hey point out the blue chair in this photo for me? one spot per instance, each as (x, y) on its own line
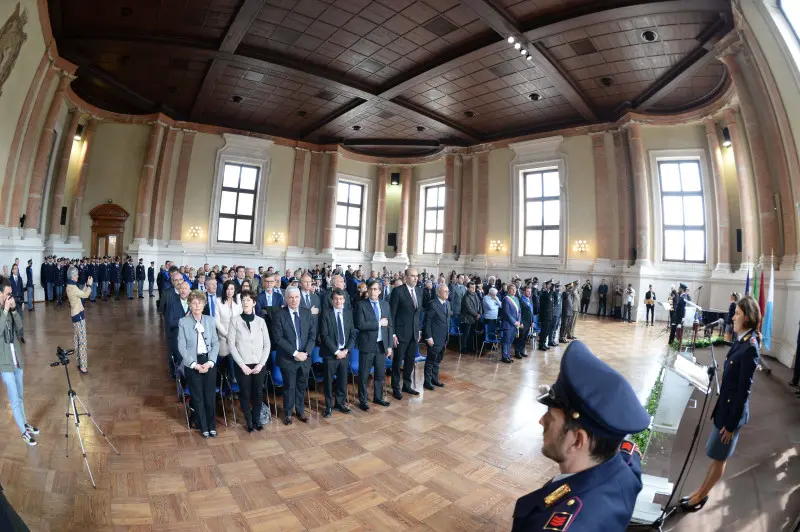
(455, 331)
(354, 369)
(228, 382)
(417, 359)
(490, 337)
(184, 394)
(316, 362)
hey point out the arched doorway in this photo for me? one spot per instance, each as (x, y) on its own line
(108, 228)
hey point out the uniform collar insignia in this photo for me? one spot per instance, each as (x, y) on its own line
(558, 494)
(558, 521)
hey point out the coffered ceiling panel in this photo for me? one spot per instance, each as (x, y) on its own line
(524, 10)
(382, 121)
(698, 87)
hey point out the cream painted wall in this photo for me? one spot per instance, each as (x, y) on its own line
(162, 233)
(581, 194)
(115, 163)
(197, 203)
(19, 81)
(357, 168)
(499, 211)
(613, 207)
(730, 180)
(393, 197)
(279, 190)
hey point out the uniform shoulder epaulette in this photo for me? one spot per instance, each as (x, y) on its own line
(628, 447)
(562, 519)
(557, 494)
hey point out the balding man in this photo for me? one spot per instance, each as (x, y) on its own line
(337, 283)
(406, 305)
(437, 326)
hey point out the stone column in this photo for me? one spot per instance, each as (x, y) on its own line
(467, 214)
(641, 195)
(482, 228)
(61, 178)
(181, 180)
(758, 158)
(602, 197)
(448, 238)
(293, 238)
(380, 213)
(143, 205)
(329, 234)
(312, 200)
(625, 200)
(747, 191)
(161, 184)
(26, 152)
(402, 232)
(80, 183)
(720, 195)
(41, 162)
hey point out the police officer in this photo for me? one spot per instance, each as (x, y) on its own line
(128, 276)
(678, 310)
(151, 277)
(590, 410)
(102, 277)
(115, 277)
(545, 315)
(91, 271)
(556, 321)
(140, 277)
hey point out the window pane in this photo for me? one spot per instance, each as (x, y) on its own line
(690, 177)
(352, 239)
(231, 176)
(550, 243)
(225, 229)
(430, 243)
(227, 204)
(673, 245)
(440, 196)
(431, 196)
(440, 219)
(791, 8)
(355, 194)
(551, 212)
(670, 177)
(342, 191)
(341, 236)
(341, 215)
(439, 240)
(693, 210)
(533, 242)
(696, 245)
(249, 175)
(354, 217)
(673, 210)
(243, 230)
(533, 213)
(533, 185)
(245, 204)
(550, 181)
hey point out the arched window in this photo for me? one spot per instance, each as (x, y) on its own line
(791, 10)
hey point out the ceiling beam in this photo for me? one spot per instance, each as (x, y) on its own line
(686, 68)
(230, 42)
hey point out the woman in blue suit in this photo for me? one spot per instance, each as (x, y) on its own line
(733, 404)
(510, 322)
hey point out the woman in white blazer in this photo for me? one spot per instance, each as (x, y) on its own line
(248, 341)
(199, 347)
(231, 306)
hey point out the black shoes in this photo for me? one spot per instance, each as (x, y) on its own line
(686, 507)
(506, 360)
(259, 426)
(518, 356)
(344, 409)
(287, 420)
(397, 395)
(383, 402)
(428, 386)
(328, 412)
(21, 340)
(249, 426)
(302, 417)
(408, 389)
(438, 383)
(363, 406)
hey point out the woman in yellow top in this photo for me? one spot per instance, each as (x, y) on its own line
(75, 296)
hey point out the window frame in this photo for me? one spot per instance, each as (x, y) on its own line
(236, 217)
(525, 174)
(418, 257)
(361, 229)
(434, 212)
(683, 227)
(794, 26)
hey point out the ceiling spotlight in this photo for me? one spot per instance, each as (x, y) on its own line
(469, 114)
(236, 98)
(517, 45)
(420, 128)
(726, 137)
(356, 128)
(606, 81)
(524, 51)
(535, 96)
(301, 114)
(529, 58)
(511, 40)
(649, 36)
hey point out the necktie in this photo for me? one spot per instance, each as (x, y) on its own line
(297, 328)
(308, 304)
(211, 307)
(340, 328)
(414, 296)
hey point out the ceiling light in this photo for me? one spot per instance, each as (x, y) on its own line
(301, 114)
(79, 132)
(606, 81)
(726, 135)
(236, 98)
(535, 96)
(511, 40)
(469, 114)
(524, 51)
(356, 128)
(420, 128)
(517, 45)
(529, 58)
(649, 35)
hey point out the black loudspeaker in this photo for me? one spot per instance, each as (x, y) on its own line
(739, 240)
(391, 240)
(63, 216)
(395, 178)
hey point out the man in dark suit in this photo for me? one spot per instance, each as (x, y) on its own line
(510, 322)
(338, 336)
(373, 319)
(437, 326)
(545, 315)
(128, 276)
(140, 278)
(212, 300)
(308, 296)
(151, 277)
(406, 304)
(268, 301)
(295, 334)
(337, 282)
(239, 278)
(176, 309)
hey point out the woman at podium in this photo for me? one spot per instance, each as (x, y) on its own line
(732, 410)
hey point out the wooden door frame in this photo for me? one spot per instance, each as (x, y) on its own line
(108, 219)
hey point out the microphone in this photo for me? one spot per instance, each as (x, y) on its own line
(719, 323)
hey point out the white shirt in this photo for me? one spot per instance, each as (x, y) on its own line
(413, 293)
(292, 313)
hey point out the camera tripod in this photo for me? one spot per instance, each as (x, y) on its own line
(72, 410)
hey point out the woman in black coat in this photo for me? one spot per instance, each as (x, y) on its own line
(732, 410)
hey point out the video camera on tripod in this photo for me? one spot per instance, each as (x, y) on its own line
(63, 357)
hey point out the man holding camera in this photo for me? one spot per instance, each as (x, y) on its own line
(11, 360)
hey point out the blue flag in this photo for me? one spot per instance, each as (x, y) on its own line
(747, 283)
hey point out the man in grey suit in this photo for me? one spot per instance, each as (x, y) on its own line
(437, 326)
(406, 304)
(373, 319)
(338, 336)
(295, 335)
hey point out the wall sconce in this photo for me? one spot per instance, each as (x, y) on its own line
(726, 137)
(496, 245)
(194, 231)
(79, 132)
(277, 237)
(580, 246)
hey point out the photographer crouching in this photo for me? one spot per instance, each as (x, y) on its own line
(11, 360)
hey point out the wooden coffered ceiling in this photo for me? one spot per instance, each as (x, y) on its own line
(397, 72)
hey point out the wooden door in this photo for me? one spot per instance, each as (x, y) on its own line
(108, 229)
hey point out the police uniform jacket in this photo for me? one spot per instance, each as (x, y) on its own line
(558, 305)
(151, 274)
(61, 276)
(140, 272)
(545, 307)
(680, 307)
(733, 404)
(568, 305)
(28, 277)
(599, 499)
(91, 271)
(114, 273)
(43, 272)
(127, 272)
(102, 272)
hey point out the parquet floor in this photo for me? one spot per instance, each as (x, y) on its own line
(452, 459)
